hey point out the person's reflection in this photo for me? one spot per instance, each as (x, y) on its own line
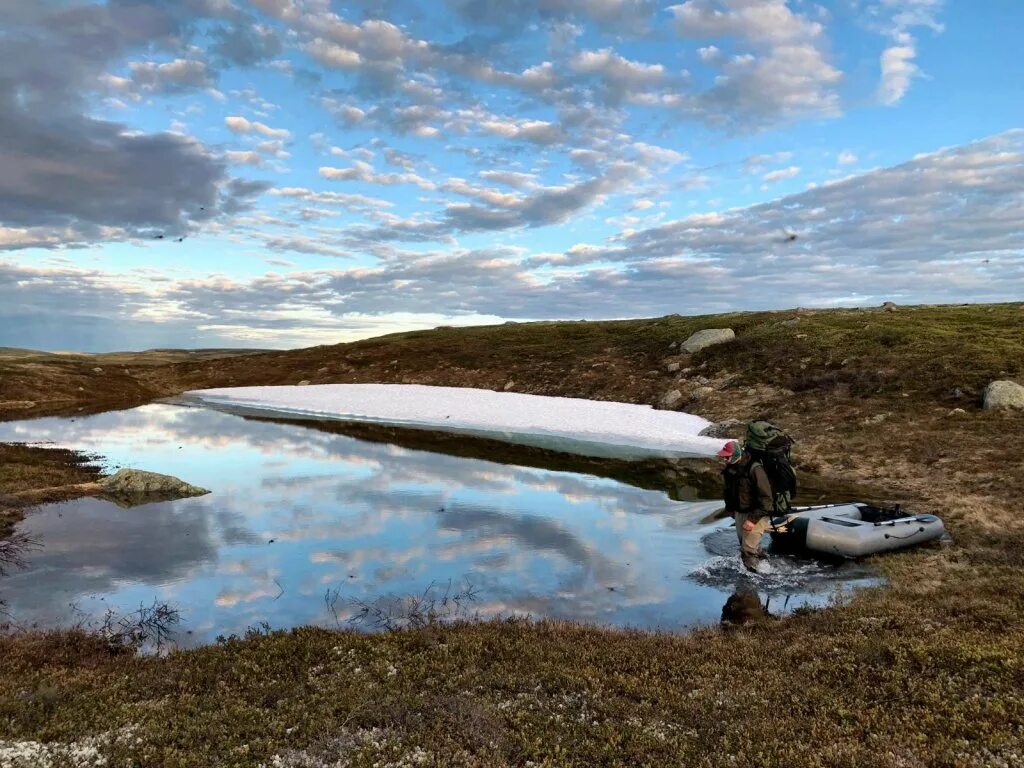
(744, 606)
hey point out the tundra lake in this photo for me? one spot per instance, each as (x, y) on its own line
(308, 527)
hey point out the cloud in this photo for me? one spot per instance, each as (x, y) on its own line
(535, 131)
(846, 157)
(621, 79)
(920, 231)
(896, 62)
(246, 43)
(170, 77)
(364, 172)
(781, 174)
(63, 169)
(241, 125)
(898, 69)
(343, 200)
(780, 70)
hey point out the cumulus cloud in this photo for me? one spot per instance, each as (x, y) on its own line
(241, 125)
(781, 68)
(364, 172)
(944, 226)
(781, 174)
(246, 43)
(87, 178)
(621, 79)
(896, 63)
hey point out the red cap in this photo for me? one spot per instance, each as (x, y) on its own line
(730, 449)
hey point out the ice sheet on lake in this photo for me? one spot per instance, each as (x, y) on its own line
(587, 427)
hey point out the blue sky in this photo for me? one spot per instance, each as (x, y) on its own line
(279, 173)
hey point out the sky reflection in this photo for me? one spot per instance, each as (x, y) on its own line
(295, 512)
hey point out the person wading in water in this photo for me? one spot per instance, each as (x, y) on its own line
(749, 499)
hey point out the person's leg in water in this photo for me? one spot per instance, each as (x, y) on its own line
(750, 541)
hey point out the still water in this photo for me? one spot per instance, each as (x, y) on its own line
(296, 513)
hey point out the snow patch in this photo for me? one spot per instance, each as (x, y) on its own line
(574, 425)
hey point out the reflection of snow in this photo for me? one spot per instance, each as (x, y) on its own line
(588, 427)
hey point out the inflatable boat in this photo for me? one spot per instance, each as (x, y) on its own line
(853, 530)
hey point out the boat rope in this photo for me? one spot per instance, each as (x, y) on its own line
(909, 535)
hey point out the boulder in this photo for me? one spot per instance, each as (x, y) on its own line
(509, 384)
(729, 429)
(672, 367)
(701, 392)
(706, 338)
(132, 487)
(791, 322)
(670, 399)
(889, 307)
(1003, 394)
(304, 383)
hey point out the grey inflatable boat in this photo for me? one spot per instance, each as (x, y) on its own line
(853, 530)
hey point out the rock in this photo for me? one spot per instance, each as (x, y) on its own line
(509, 384)
(673, 345)
(706, 338)
(97, 369)
(672, 367)
(878, 418)
(132, 487)
(701, 380)
(701, 392)
(791, 322)
(729, 429)
(325, 369)
(1003, 394)
(670, 399)
(889, 307)
(304, 383)
(956, 412)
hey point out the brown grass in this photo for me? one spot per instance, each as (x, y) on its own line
(928, 671)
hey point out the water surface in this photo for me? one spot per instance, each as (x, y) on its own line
(296, 513)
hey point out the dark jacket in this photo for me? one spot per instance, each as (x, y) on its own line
(747, 488)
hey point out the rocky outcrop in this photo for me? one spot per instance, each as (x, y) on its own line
(1000, 395)
(132, 487)
(730, 429)
(670, 400)
(706, 338)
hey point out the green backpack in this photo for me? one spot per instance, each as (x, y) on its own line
(770, 447)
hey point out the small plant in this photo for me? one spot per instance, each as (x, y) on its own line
(153, 625)
(437, 603)
(13, 550)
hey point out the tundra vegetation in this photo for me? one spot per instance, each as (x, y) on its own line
(928, 670)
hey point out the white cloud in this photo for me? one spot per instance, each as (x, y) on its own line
(782, 173)
(898, 69)
(364, 172)
(241, 125)
(536, 131)
(247, 157)
(780, 70)
(897, 62)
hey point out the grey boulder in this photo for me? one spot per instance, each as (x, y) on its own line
(706, 338)
(132, 487)
(1003, 394)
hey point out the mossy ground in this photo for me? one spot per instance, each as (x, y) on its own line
(928, 671)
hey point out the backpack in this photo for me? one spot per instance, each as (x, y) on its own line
(770, 447)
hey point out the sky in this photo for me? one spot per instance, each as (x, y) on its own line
(283, 173)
